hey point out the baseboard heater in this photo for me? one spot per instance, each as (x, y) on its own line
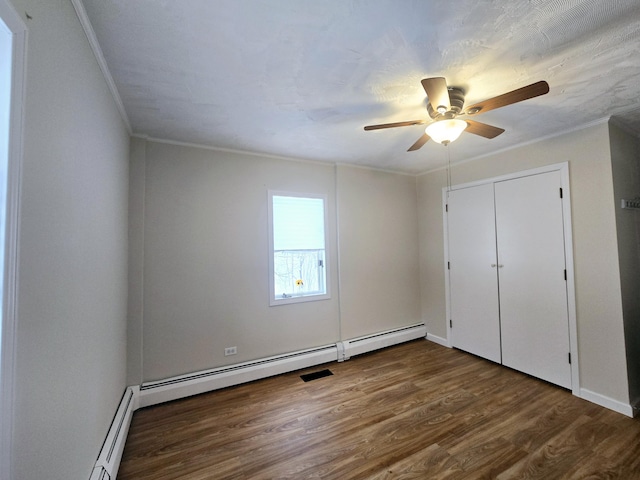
(369, 343)
(152, 393)
(106, 467)
(174, 388)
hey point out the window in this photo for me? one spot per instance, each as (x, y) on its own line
(297, 253)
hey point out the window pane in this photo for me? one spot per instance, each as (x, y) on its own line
(298, 247)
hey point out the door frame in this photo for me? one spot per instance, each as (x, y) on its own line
(9, 307)
(563, 168)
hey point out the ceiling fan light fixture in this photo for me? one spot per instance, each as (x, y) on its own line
(446, 131)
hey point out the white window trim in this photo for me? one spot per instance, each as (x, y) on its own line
(273, 299)
(9, 318)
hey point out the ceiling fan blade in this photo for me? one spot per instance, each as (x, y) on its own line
(515, 96)
(421, 141)
(437, 92)
(482, 129)
(392, 125)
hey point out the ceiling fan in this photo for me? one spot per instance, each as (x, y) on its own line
(446, 103)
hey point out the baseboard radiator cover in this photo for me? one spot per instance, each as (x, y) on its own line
(153, 393)
(99, 473)
(174, 388)
(106, 467)
(376, 341)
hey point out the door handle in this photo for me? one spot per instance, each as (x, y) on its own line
(493, 265)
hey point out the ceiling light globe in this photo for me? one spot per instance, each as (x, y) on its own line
(446, 131)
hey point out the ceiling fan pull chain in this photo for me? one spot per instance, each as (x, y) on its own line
(448, 168)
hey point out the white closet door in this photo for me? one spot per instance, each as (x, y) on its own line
(473, 275)
(533, 294)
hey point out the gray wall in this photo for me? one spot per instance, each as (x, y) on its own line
(625, 159)
(599, 313)
(205, 258)
(71, 326)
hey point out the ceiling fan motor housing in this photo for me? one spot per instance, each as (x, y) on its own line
(456, 99)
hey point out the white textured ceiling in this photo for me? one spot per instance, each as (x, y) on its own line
(301, 78)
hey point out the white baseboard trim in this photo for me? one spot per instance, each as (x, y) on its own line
(439, 340)
(108, 462)
(610, 403)
(376, 341)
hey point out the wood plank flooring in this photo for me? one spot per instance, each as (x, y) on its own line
(412, 411)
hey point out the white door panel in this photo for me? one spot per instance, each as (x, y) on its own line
(473, 279)
(533, 295)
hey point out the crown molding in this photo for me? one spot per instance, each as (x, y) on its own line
(102, 63)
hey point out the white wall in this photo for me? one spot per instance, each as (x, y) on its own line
(598, 292)
(378, 238)
(72, 292)
(205, 260)
(205, 251)
(625, 159)
(135, 306)
(431, 256)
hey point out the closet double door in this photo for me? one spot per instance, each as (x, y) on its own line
(507, 275)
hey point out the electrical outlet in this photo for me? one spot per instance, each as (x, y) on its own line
(230, 351)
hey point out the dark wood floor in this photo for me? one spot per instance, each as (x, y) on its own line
(416, 410)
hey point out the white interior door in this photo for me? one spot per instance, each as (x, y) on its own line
(533, 293)
(473, 273)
